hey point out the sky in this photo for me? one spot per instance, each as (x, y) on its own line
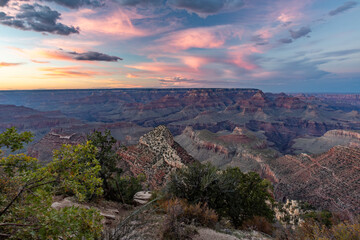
(273, 45)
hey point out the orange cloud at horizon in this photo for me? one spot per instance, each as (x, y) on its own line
(57, 55)
(6, 64)
(130, 75)
(73, 71)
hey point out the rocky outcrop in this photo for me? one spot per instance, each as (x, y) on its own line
(156, 156)
(160, 142)
(329, 181)
(289, 102)
(332, 138)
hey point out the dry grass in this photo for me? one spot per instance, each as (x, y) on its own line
(181, 218)
(342, 231)
(259, 224)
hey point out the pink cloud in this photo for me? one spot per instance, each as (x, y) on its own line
(289, 11)
(162, 70)
(203, 37)
(161, 67)
(239, 55)
(170, 82)
(77, 45)
(114, 21)
(41, 62)
(194, 61)
(263, 74)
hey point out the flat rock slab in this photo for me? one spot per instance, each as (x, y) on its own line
(210, 234)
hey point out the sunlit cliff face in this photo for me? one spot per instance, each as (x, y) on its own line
(279, 45)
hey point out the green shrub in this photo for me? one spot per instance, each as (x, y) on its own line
(245, 195)
(322, 217)
(231, 193)
(125, 188)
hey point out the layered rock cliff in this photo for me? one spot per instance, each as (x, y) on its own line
(284, 118)
(156, 156)
(240, 148)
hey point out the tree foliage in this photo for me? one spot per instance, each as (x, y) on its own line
(231, 193)
(116, 187)
(76, 171)
(27, 189)
(245, 196)
(108, 158)
(13, 140)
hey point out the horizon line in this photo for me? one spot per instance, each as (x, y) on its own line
(160, 88)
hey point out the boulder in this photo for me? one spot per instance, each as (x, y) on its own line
(142, 197)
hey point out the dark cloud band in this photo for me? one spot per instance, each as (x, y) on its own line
(343, 8)
(300, 33)
(37, 18)
(286, 40)
(207, 6)
(74, 4)
(94, 56)
(197, 6)
(140, 2)
(3, 3)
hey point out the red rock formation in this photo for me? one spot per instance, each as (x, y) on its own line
(330, 180)
(289, 102)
